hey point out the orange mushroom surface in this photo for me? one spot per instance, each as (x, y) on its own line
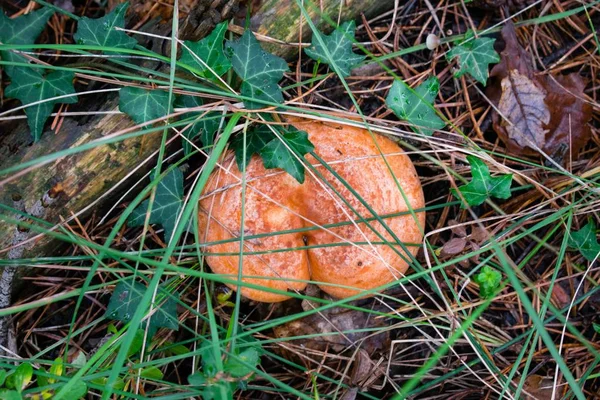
(275, 204)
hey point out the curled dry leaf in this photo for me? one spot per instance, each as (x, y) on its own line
(537, 112)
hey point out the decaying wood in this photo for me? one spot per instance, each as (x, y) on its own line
(280, 19)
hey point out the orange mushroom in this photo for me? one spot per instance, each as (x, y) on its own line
(275, 202)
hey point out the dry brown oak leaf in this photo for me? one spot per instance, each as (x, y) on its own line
(277, 202)
(537, 112)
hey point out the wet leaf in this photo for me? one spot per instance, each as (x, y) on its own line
(545, 112)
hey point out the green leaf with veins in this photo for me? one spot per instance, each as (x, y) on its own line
(143, 105)
(204, 128)
(102, 32)
(585, 241)
(415, 106)
(474, 56)
(339, 46)
(21, 30)
(260, 71)
(275, 154)
(29, 86)
(483, 185)
(167, 205)
(489, 281)
(126, 299)
(209, 50)
(256, 138)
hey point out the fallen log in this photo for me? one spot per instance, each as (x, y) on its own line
(282, 19)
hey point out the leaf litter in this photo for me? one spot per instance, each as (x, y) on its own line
(536, 112)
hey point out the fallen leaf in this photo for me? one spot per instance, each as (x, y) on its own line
(453, 247)
(457, 228)
(537, 112)
(336, 329)
(362, 367)
(525, 113)
(560, 296)
(479, 234)
(538, 387)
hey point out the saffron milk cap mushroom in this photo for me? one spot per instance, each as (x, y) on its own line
(276, 205)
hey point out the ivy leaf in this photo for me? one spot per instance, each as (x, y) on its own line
(585, 241)
(276, 155)
(415, 106)
(339, 47)
(489, 281)
(126, 299)
(102, 32)
(483, 185)
(256, 139)
(260, 71)
(209, 50)
(261, 140)
(167, 206)
(21, 30)
(30, 86)
(474, 57)
(203, 129)
(143, 105)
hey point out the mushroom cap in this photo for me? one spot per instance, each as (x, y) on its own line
(275, 202)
